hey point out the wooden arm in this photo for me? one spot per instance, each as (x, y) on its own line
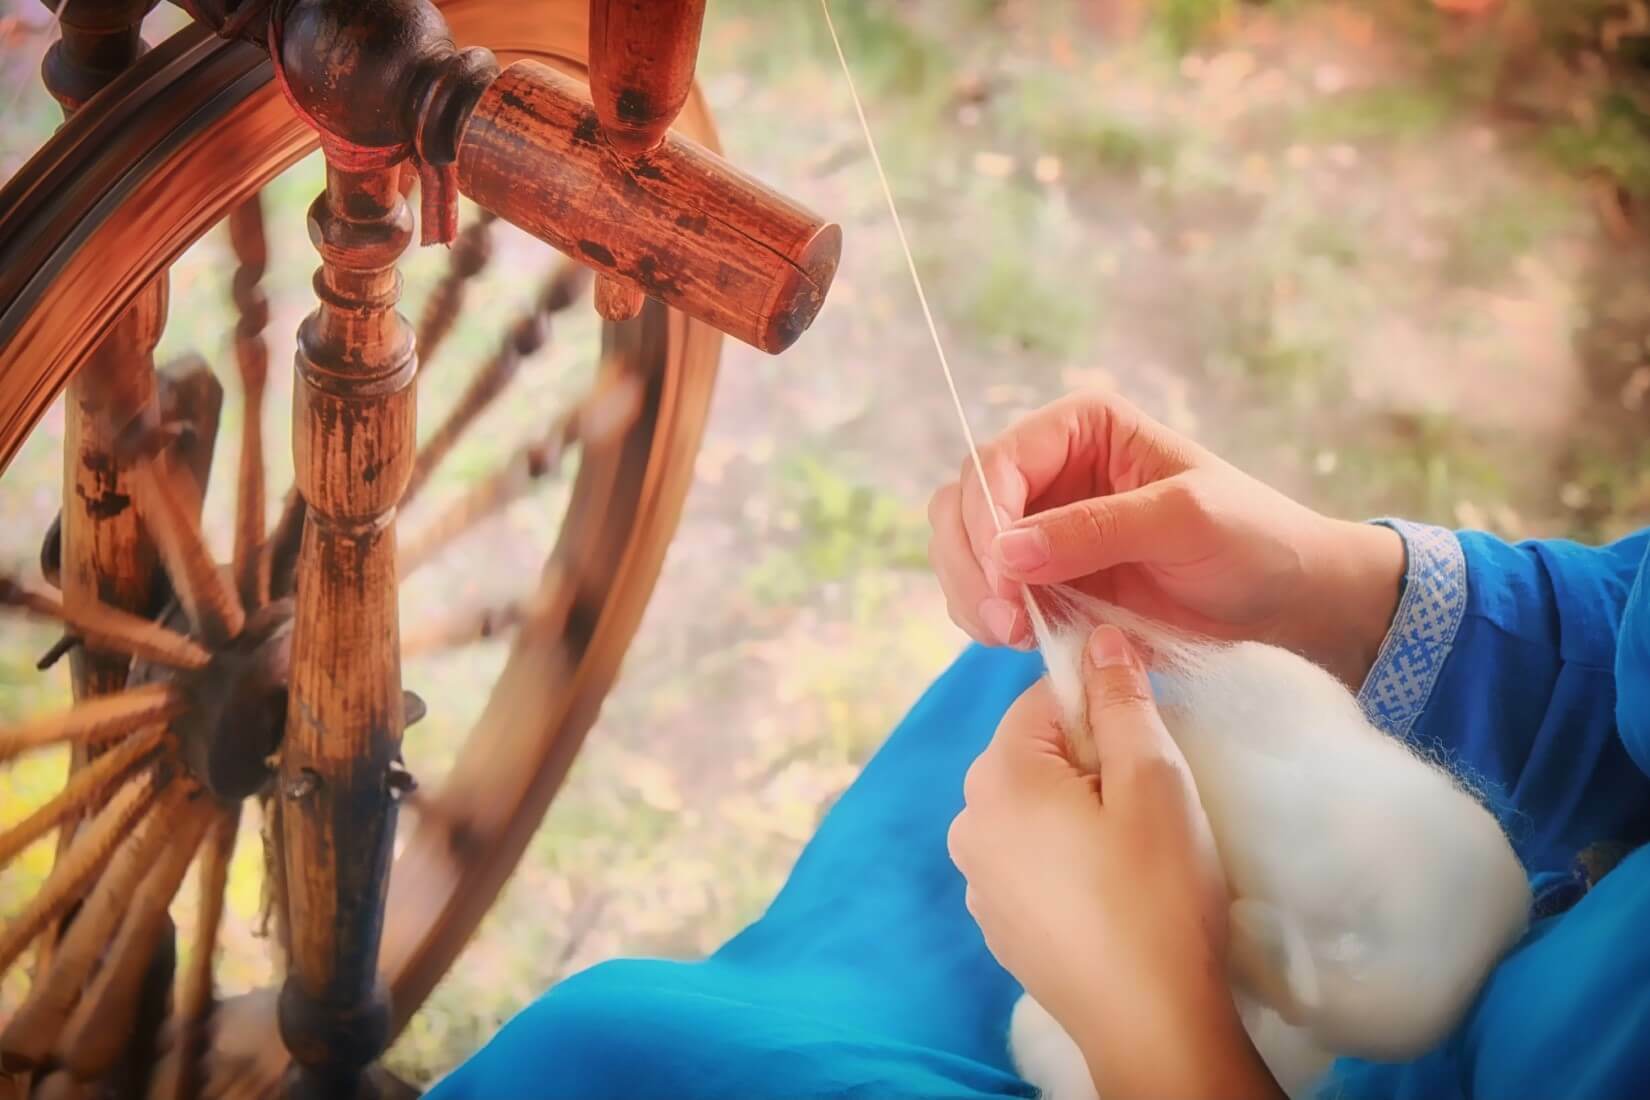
(678, 222)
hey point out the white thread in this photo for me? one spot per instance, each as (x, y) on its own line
(1039, 624)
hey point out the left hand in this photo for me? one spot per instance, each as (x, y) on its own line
(1104, 896)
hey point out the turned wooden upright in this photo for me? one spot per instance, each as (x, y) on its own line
(353, 440)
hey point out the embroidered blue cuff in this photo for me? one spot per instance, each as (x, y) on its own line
(1423, 630)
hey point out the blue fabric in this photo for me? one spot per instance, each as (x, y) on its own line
(1566, 1016)
(1524, 706)
(866, 977)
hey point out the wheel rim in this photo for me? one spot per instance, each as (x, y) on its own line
(198, 102)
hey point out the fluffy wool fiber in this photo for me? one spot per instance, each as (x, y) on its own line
(1371, 891)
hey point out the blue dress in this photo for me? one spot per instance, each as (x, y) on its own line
(1526, 666)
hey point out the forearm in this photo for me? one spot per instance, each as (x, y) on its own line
(1192, 1045)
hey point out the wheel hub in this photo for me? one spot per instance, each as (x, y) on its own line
(232, 728)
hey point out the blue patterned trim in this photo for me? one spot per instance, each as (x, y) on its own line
(1423, 630)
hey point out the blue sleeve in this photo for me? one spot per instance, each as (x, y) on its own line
(1501, 664)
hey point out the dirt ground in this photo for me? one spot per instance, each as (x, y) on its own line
(1280, 230)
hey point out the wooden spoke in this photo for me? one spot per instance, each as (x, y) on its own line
(195, 992)
(462, 629)
(96, 721)
(191, 404)
(33, 1031)
(524, 339)
(469, 255)
(246, 235)
(641, 67)
(272, 910)
(60, 1086)
(106, 1014)
(106, 629)
(603, 413)
(85, 785)
(169, 504)
(92, 846)
(281, 552)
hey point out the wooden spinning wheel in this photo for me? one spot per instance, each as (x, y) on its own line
(275, 678)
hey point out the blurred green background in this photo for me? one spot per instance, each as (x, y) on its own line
(1385, 256)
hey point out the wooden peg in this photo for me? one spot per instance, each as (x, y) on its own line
(617, 300)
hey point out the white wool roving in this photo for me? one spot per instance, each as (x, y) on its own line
(1371, 892)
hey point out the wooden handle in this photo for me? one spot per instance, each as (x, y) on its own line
(641, 66)
(679, 222)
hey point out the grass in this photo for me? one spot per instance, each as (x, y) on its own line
(1399, 112)
(1426, 465)
(1609, 489)
(1259, 343)
(1082, 130)
(1483, 245)
(1615, 142)
(1180, 25)
(1014, 303)
(839, 529)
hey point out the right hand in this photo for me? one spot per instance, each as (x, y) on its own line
(1097, 495)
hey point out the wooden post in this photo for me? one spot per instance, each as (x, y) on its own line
(107, 554)
(353, 440)
(104, 553)
(642, 54)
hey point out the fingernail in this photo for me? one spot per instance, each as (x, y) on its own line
(1023, 550)
(1000, 618)
(1108, 648)
(993, 575)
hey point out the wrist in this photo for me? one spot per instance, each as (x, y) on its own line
(1355, 576)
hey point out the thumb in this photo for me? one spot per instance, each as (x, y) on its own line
(1122, 715)
(1086, 536)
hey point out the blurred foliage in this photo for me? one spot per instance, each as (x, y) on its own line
(1183, 24)
(1614, 139)
(833, 529)
(1394, 112)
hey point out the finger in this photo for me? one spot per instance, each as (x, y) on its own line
(957, 843)
(1088, 536)
(1008, 498)
(1029, 734)
(959, 572)
(1088, 443)
(1122, 715)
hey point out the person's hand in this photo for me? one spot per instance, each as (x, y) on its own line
(1096, 494)
(1104, 895)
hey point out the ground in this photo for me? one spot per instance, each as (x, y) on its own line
(1302, 232)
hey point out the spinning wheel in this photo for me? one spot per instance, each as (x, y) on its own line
(275, 678)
